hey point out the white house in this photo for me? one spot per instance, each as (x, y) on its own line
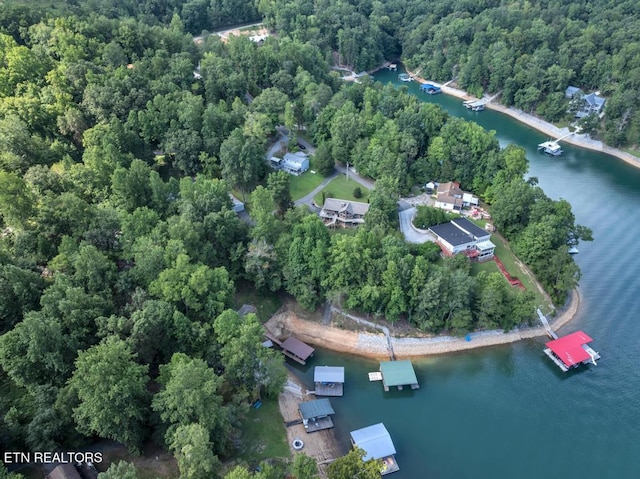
(295, 163)
(593, 104)
(462, 236)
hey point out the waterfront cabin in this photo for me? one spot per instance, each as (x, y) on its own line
(430, 88)
(316, 415)
(329, 380)
(398, 373)
(571, 351)
(376, 442)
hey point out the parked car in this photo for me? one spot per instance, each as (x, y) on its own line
(301, 146)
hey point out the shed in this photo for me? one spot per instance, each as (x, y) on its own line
(398, 373)
(376, 442)
(329, 380)
(315, 414)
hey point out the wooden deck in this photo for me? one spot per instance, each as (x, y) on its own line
(331, 389)
(319, 424)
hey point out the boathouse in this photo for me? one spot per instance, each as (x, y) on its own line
(430, 88)
(296, 349)
(291, 347)
(398, 373)
(376, 442)
(571, 351)
(329, 380)
(316, 415)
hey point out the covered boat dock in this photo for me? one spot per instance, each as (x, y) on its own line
(376, 442)
(571, 351)
(430, 88)
(329, 380)
(316, 415)
(291, 347)
(398, 373)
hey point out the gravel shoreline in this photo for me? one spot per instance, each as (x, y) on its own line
(376, 345)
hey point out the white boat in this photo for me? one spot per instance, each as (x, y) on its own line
(573, 250)
(404, 77)
(551, 148)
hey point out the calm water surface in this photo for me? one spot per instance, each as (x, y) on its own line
(508, 412)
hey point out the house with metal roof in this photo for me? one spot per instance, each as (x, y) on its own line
(398, 373)
(572, 91)
(329, 380)
(376, 442)
(463, 236)
(316, 415)
(296, 349)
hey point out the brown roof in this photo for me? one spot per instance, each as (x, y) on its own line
(64, 471)
(297, 347)
(450, 192)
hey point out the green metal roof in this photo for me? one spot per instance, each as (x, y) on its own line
(398, 373)
(315, 409)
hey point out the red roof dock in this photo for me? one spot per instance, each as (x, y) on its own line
(571, 350)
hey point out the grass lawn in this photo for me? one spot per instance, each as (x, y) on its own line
(266, 303)
(508, 259)
(342, 189)
(305, 183)
(263, 433)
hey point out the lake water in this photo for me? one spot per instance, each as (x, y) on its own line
(508, 411)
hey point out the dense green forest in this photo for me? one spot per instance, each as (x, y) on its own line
(120, 254)
(529, 51)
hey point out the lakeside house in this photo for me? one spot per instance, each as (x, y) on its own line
(329, 380)
(293, 163)
(316, 414)
(462, 236)
(343, 213)
(450, 197)
(592, 103)
(376, 443)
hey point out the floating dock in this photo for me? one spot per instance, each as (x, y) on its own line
(405, 77)
(569, 351)
(430, 88)
(376, 442)
(316, 415)
(551, 148)
(329, 380)
(475, 105)
(398, 374)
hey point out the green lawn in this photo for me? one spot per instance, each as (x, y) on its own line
(342, 189)
(305, 183)
(509, 261)
(263, 434)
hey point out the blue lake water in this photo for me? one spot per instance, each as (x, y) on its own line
(508, 411)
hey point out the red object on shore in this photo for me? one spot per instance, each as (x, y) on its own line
(569, 348)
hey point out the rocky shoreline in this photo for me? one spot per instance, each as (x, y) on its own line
(376, 345)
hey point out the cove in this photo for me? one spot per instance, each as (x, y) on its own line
(507, 411)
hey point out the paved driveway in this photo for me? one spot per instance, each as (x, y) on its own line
(409, 232)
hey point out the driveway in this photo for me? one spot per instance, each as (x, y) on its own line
(411, 235)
